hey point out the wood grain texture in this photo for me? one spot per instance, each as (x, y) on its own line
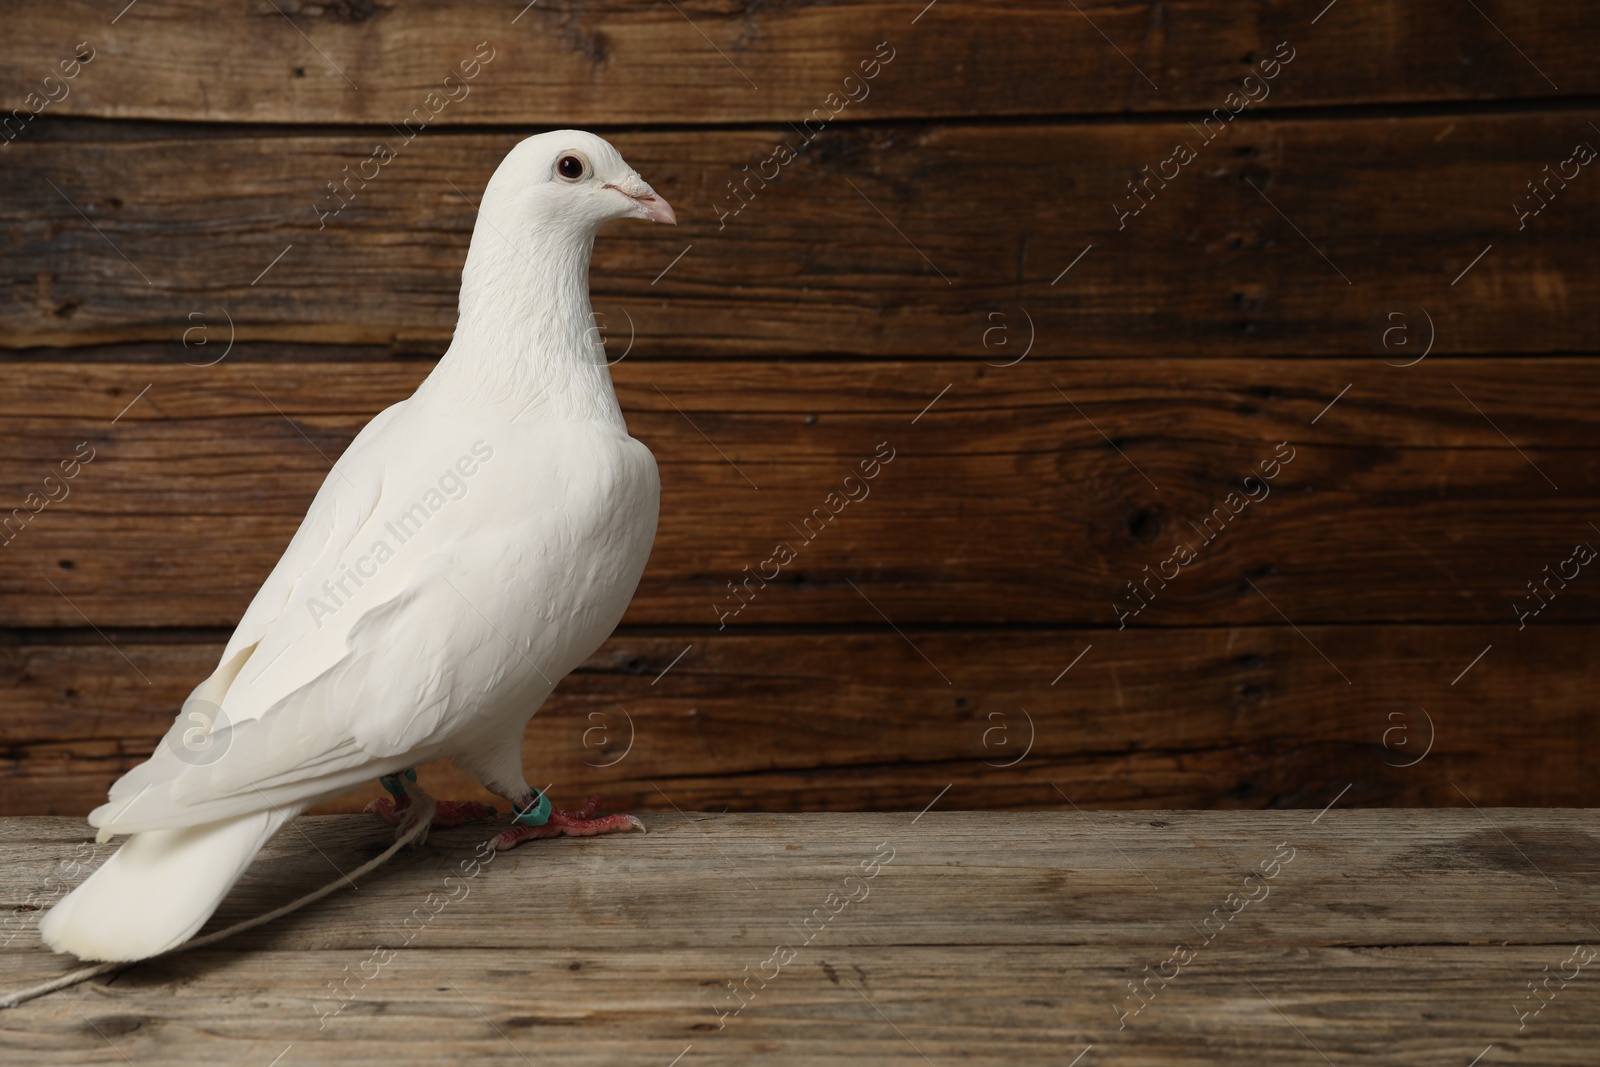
(1282, 237)
(974, 208)
(1392, 937)
(1027, 495)
(1248, 717)
(630, 61)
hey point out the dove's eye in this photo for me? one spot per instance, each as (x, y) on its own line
(571, 167)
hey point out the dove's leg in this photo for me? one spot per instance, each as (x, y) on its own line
(580, 823)
(499, 767)
(447, 813)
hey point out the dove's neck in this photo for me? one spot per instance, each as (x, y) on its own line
(526, 335)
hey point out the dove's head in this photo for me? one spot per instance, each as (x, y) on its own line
(573, 178)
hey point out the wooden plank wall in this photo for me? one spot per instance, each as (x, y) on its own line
(1346, 283)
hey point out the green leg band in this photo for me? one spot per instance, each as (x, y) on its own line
(537, 815)
(392, 783)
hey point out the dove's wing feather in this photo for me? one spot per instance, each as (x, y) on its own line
(347, 499)
(309, 743)
(426, 655)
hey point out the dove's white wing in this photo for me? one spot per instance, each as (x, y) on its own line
(404, 668)
(342, 504)
(347, 499)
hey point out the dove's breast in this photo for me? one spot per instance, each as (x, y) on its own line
(552, 550)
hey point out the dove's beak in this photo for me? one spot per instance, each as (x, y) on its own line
(647, 204)
(657, 209)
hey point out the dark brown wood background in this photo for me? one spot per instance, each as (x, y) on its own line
(1353, 635)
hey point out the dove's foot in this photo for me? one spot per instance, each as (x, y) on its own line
(446, 814)
(580, 823)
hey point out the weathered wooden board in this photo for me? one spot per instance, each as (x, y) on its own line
(1204, 718)
(561, 62)
(1281, 237)
(1003, 502)
(1393, 937)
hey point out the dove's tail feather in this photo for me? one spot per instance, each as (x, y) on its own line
(158, 889)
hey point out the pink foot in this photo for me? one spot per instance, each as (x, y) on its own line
(579, 823)
(448, 813)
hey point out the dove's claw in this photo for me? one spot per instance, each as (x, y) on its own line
(448, 813)
(383, 807)
(580, 823)
(587, 810)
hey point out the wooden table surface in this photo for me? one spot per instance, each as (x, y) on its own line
(1280, 937)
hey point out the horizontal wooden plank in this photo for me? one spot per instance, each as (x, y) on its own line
(1031, 494)
(1237, 717)
(714, 61)
(978, 938)
(1245, 251)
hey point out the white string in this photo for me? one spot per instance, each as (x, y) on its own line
(422, 806)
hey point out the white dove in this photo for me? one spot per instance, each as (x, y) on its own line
(475, 543)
